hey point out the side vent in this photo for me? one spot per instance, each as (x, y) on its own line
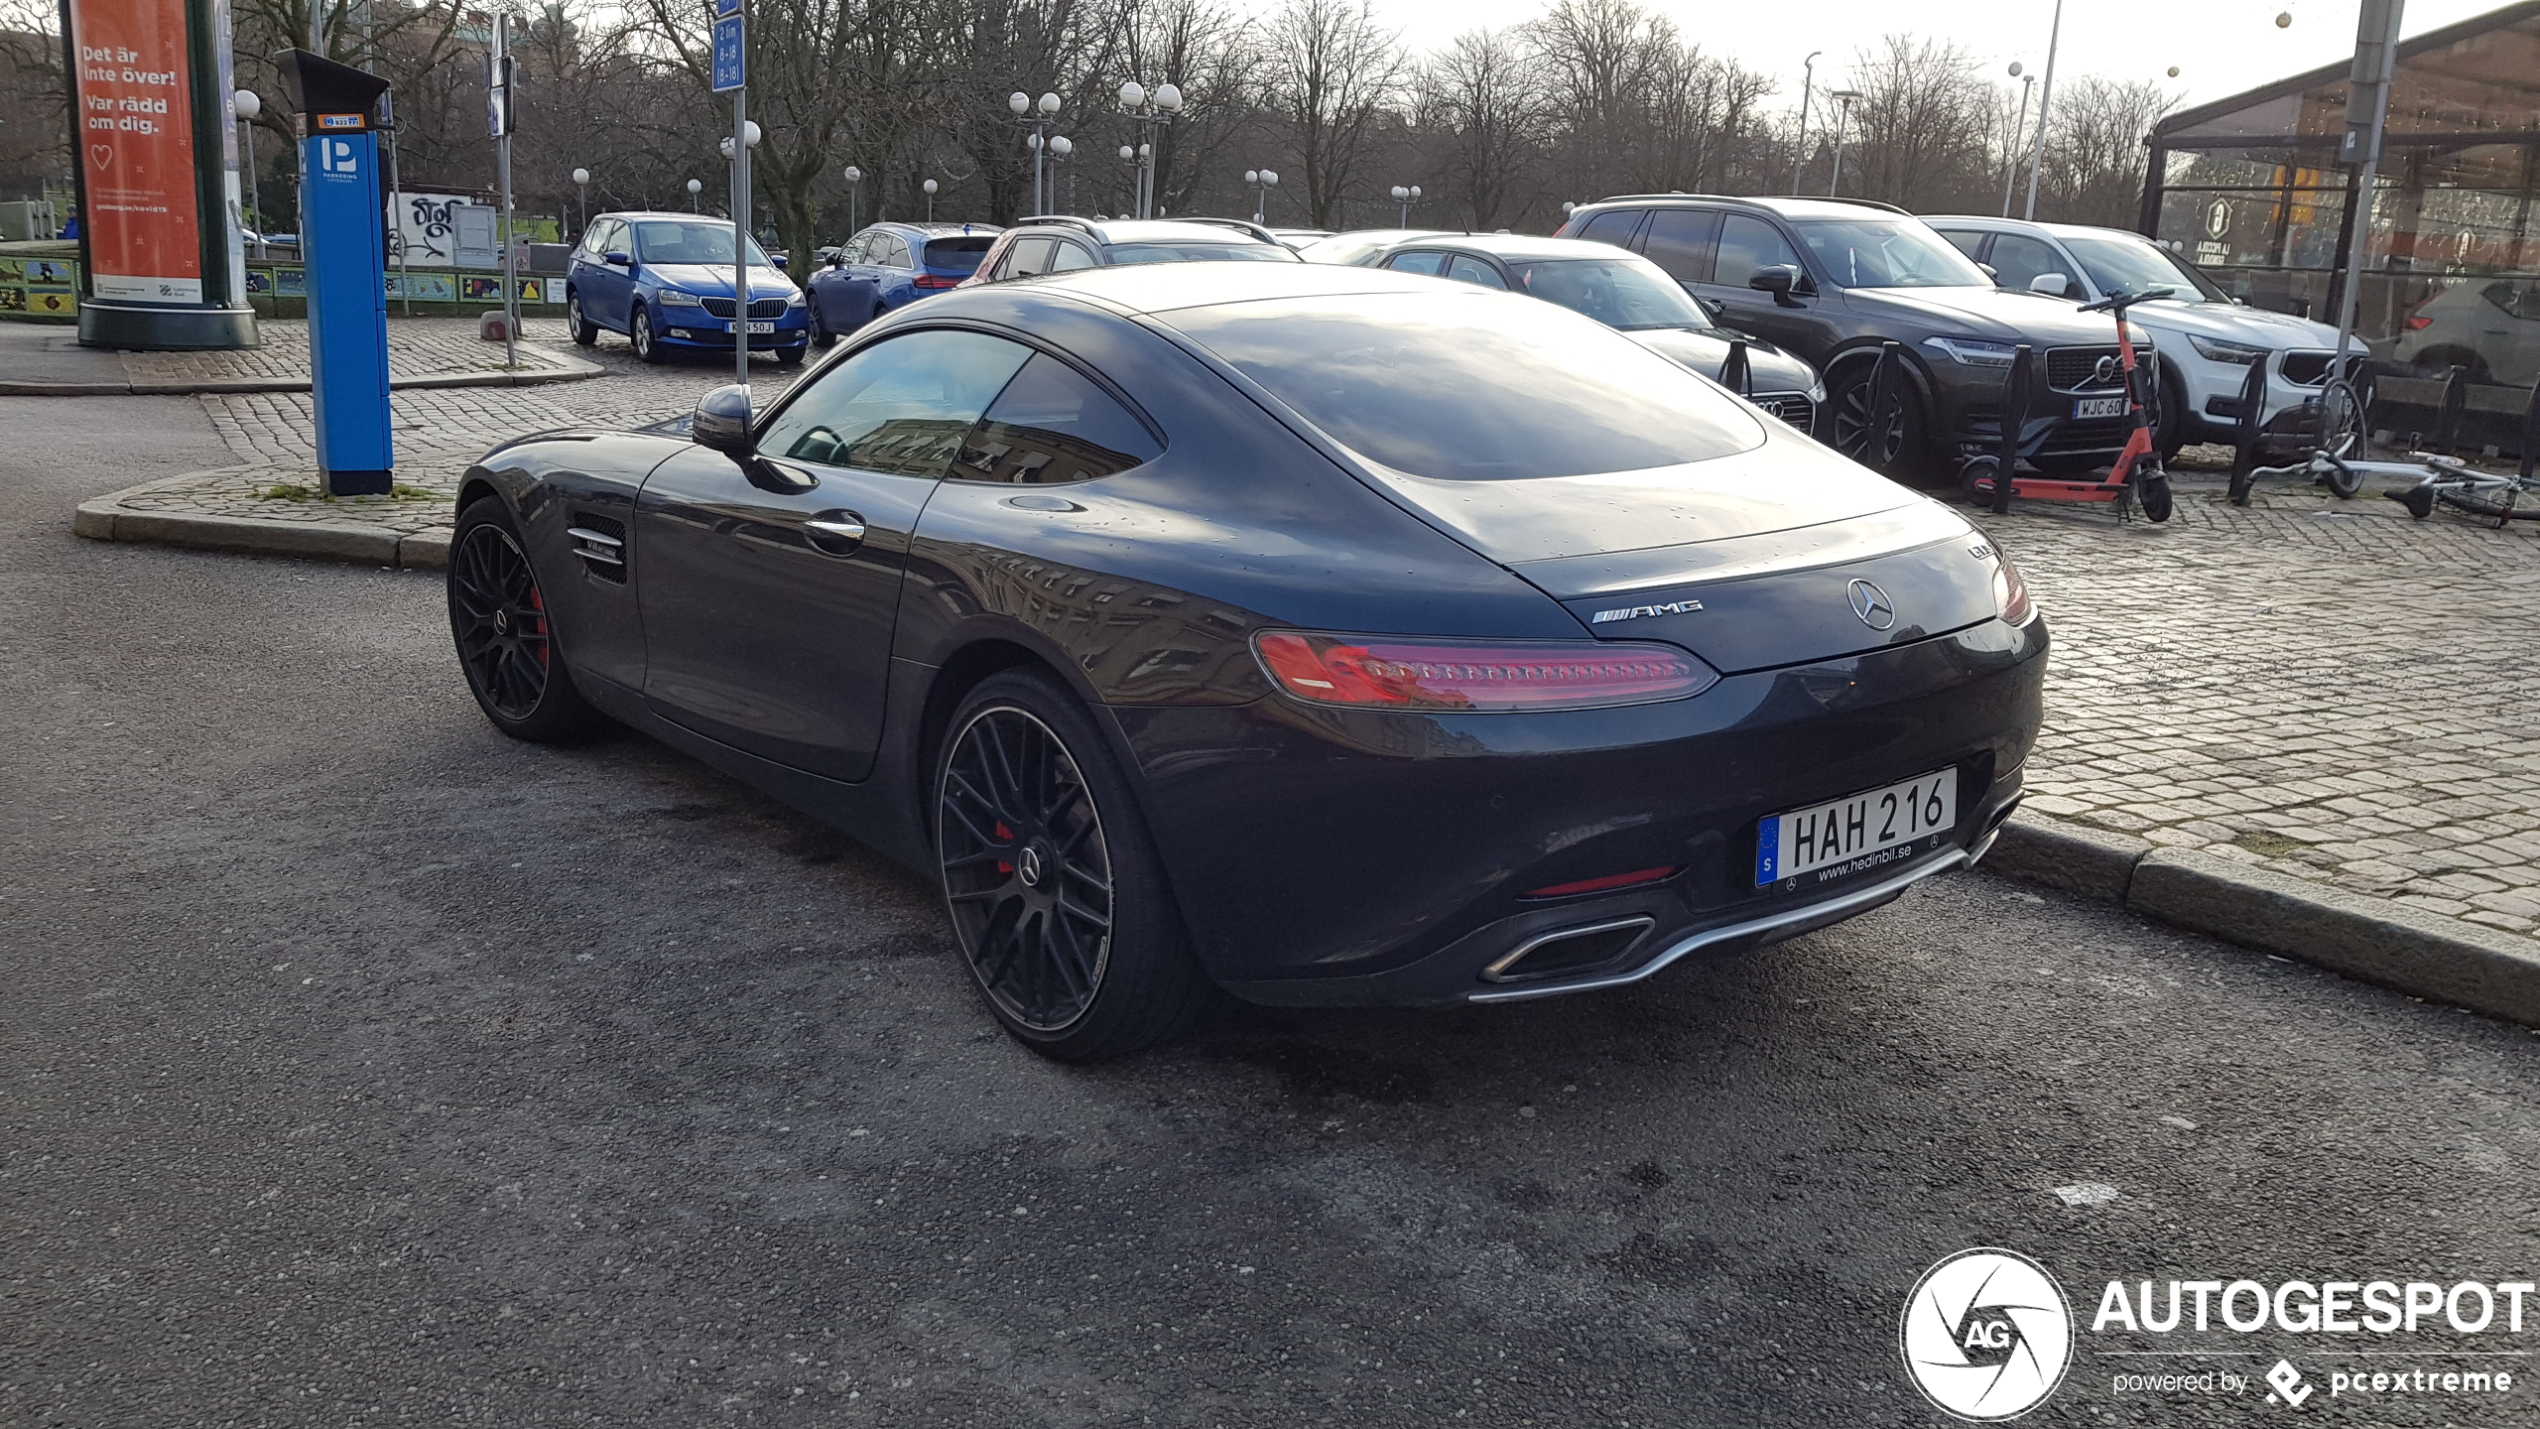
(601, 543)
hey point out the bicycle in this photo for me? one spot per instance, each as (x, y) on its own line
(2332, 430)
(2496, 496)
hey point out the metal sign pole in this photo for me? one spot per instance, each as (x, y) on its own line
(503, 173)
(2367, 104)
(731, 76)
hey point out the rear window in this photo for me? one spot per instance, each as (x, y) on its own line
(959, 255)
(1474, 386)
(1202, 253)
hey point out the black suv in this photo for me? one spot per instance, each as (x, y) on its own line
(1057, 244)
(1831, 280)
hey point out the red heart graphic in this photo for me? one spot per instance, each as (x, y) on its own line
(101, 154)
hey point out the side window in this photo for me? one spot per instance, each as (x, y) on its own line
(1070, 257)
(2019, 260)
(608, 236)
(1747, 244)
(1682, 240)
(1966, 240)
(899, 255)
(854, 251)
(1433, 264)
(1615, 228)
(1474, 270)
(1029, 258)
(1051, 425)
(901, 406)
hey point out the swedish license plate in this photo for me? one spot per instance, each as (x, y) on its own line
(1856, 834)
(2085, 408)
(760, 327)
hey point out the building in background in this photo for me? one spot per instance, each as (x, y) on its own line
(2250, 188)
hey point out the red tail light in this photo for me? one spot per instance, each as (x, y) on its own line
(2010, 593)
(936, 280)
(1477, 676)
(2419, 322)
(1608, 882)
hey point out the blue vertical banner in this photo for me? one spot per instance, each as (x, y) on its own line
(730, 55)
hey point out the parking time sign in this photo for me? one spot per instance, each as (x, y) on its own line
(730, 70)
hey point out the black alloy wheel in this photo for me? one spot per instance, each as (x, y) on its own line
(506, 639)
(1887, 446)
(821, 336)
(640, 333)
(585, 332)
(1055, 893)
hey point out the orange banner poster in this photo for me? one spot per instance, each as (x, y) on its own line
(136, 148)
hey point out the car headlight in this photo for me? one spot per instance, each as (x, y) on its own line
(794, 299)
(1975, 352)
(2215, 350)
(674, 298)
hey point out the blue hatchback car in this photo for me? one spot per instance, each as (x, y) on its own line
(891, 265)
(665, 280)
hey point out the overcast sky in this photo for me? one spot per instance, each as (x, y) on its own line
(2221, 47)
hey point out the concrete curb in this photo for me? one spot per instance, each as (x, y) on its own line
(576, 369)
(104, 520)
(2372, 939)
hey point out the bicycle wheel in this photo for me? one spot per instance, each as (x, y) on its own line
(2340, 421)
(2499, 503)
(2342, 480)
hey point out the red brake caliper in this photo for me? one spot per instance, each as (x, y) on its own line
(538, 603)
(1004, 865)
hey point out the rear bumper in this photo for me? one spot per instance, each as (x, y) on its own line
(1323, 858)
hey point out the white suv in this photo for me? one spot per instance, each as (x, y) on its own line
(2206, 338)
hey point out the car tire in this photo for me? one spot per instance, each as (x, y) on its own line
(1847, 399)
(1057, 898)
(821, 337)
(506, 640)
(639, 332)
(585, 332)
(791, 356)
(2171, 432)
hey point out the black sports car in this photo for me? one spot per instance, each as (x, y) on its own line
(1312, 634)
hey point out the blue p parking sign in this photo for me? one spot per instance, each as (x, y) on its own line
(729, 67)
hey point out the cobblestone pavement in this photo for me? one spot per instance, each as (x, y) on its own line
(417, 347)
(2324, 688)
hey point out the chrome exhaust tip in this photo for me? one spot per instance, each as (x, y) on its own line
(1569, 950)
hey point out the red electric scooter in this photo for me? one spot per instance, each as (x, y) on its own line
(2136, 478)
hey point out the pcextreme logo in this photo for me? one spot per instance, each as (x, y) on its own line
(1986, 1334)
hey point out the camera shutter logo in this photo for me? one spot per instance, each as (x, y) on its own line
(1986, 1334)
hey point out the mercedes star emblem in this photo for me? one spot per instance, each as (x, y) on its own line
(1872, 605)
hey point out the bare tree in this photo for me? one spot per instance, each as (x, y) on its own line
(1332, 72)
(1482, 96)
(2095, 148)
(1920, 131)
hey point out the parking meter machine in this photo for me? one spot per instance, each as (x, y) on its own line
(344, 243)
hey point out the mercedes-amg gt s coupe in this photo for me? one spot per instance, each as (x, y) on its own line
(1303, 634)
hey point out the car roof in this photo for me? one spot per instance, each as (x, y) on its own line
(933, 230)
(1168, 287)
(1786, 207)
(683, 217)
(2025, 225)
(1518, 246)
(1141, 230)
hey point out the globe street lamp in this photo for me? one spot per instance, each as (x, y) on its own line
(1035, 116)
(245, 106)
(855, 182)
(695, 187)
(2045, 97)
(1842, 123)
(1264, 180)
(2011, 156)
(929, 186)
(749, 129)
(1406, 197)
(1150, 110)
(1060, 148)
(582, 187)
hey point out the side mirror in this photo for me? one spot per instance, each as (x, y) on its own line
(778, 259)
(618, 260)
(1991, 272)
(1782, 280)
(723, 421)
(2051, 284)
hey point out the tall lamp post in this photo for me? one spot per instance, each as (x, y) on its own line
(582, 186)
(1150, 111)
(245, 106)
(2011, 151)
(1262, 181)
(1807, 87)
(1406, 197)
(1842, 123)
(855, 184)
(695, 187)
(2045, 97)
(1060, 148)
(1035, 117)
(929, 186)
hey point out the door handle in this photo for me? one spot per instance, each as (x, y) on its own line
(836, 532)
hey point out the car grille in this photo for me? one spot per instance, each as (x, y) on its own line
(2072, 369)
(1792, 407)
(2309, 369)
(759, 307)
